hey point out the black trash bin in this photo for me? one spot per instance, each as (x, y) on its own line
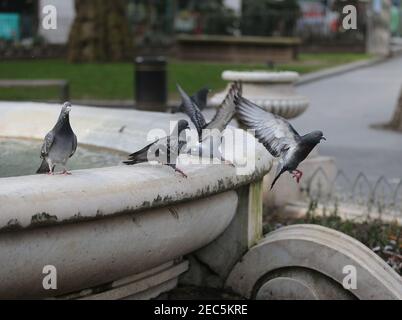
(151, 83)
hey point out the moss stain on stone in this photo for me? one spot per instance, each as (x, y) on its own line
(12, 225)
(43, 219)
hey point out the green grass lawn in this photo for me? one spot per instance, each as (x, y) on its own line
(114, 81)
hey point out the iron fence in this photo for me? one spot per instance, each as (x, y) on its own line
(380, 196)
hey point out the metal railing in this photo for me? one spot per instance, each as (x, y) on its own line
(380, 196)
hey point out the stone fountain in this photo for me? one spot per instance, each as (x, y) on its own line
(136, 232)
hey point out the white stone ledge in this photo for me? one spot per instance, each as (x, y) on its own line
(91, 194)
(261, 76)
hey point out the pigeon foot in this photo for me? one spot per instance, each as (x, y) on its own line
(181, 172)
(227, 162)
(230, 163)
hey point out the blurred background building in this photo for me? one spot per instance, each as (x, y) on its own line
(156, 23)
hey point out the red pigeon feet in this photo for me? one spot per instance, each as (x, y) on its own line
(181, 172)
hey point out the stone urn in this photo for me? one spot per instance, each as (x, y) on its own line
(274, 91)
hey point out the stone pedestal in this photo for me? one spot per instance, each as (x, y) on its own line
(274, 91)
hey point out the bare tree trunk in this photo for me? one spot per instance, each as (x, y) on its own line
(396, 122)
(100, 32)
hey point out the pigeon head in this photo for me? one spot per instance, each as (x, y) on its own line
(64, 119)
(182, 125)
(201, 97)
(204, 92)
(315, 137)
(65, 110)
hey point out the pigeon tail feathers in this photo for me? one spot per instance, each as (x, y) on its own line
(139, 156)
(279, 172)
(44, 168)
(276, 179)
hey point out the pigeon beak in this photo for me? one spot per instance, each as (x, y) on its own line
(323, 138)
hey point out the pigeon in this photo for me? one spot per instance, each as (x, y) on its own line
(59, 144)
(223, 116)
(164, 150)
(221, 119)
(199, 98)
(278, 137)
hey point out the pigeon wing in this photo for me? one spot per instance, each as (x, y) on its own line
(193, 111)
(174, 146)
(200, 98)
(275, 133)
(226, 110)
(47, 144)
(74, 145)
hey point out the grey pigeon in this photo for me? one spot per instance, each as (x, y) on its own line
(221, 119)
(60, 143)
(278, 137)
(165, 150)
(199, 98)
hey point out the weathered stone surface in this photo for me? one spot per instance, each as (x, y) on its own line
(211, 265)
(145, 287)
(282, 288)
(99, 252)
(317, 251)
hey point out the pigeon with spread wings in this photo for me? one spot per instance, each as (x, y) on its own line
(222, 117)
(208, 144)
(278, 137)
(199, 98)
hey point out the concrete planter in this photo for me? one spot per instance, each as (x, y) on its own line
(273, 91)
(237, 49)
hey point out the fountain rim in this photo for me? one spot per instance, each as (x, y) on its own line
(34, 201)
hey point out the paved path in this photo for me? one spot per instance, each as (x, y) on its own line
(345, 106)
